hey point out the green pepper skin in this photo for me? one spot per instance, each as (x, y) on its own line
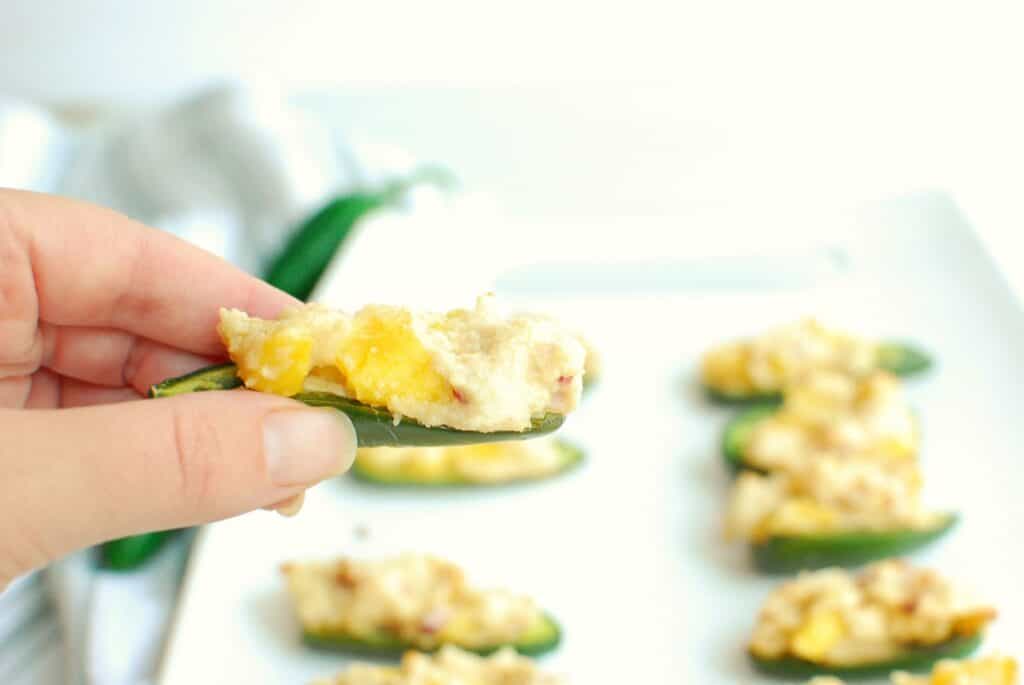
(899, 358)
(128, 554)
(808, 552)
(219, 377)
(540, 641)
(736, 435)
(299, 265)
(902, 358)
(374, 427)
(727, 400)
(297, 268)
(572, 457)
(916, 660)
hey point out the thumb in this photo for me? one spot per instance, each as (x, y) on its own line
(70, 478)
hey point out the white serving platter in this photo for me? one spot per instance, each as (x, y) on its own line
(628, 551)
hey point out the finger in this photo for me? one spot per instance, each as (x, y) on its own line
(44, 392)
(22, 341)
(75, 393)
(74, 477)
(129, 277)
(104, 356)
(14, 391)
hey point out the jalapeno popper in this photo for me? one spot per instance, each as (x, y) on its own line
(449, 665)
(487, 464)
(404, 378)
(411, 602)
(466, 369)
(989, 670)
(890, 616)
(758, 369)
(829, 414)
(831, 513)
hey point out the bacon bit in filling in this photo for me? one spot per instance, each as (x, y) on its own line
(435, 621)
(345, 579)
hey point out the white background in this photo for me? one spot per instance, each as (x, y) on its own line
(778, 103)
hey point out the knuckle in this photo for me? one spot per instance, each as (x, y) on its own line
(20, 339)
(135, 357)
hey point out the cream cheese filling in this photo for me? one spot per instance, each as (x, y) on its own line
(467, 369)
(419, 599)
(835, 617)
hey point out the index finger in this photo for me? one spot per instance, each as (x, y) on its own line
(90, 266)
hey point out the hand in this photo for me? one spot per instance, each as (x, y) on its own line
(95, 308)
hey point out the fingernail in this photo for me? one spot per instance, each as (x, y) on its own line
(305, 446)
(289, 507)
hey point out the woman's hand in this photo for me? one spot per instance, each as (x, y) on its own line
(95, 308)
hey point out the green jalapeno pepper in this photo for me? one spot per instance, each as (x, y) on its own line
(374, 427)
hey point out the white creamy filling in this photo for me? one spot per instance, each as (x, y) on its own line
(827, 495)
(829, 414)
(503, 371)
(780, 356)
(423, 600)
(887, 607)
(508, 371)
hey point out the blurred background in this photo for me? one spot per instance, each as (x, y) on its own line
(673, 104)
(578, 109)
(231, 123)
